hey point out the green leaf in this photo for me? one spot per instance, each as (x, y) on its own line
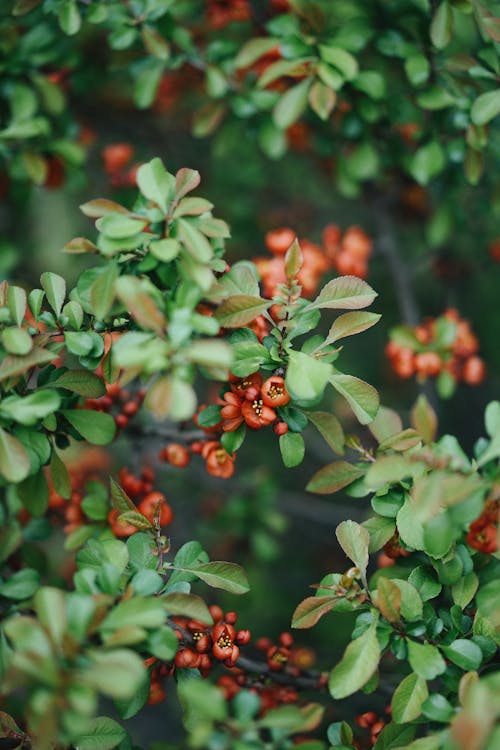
(54, 287)
(344, 293)
(164, 250)
(330, 428)
(96, 427)
(21, 585)
(253, 50)
(59, 476)
(14, 460)
(425, 660)
(155, 43)
(195, 242)
(306, 377)
(70, 19)
(240, 309)
(463, 590)
(163, 643)
(362, 397)
(310, 610)
(334, 477)
(155, 183)
(388, 599)
(424, 419)
(464, 653)
(293, 260)
(380, 530)
(138, 611)
(354, 540)
(141, 304)
(28, 410)
(210, 353)
(428, 161)
(343, 60)
(486, 107)
(146, 82)
(291, 104)
(101, 733)
(16, 303)
(118, 226)
(358, 664)
(117, 673)
(187, 605)
(221, 575)
(406, 704)
(442, 25)
(102, 291)
(17, 341)
(322, 99)
(349, 324)
(417, 69)
(83, 382)
(292, 448)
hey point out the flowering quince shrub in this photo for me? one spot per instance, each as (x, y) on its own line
(158, 313)
(107, 611)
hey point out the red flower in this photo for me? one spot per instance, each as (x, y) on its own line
(224, 647)
(256, 414)
(231, 412)
(248, 387)
(218, 461)
(274, 392)
(484, 539)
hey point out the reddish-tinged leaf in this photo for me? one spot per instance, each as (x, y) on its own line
(334, 477)
(310, 610)
(240, 309)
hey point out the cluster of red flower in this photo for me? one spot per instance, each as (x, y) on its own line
(221, 13)
(483, 532)
(88, 466)
(116, 159)
(346, 253)
(150, 503)
(457, 357)
(202, 647)
(374, 723)
(124, 405)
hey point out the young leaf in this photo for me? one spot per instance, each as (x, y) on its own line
(101, 733)
(292, 448)
(344, 293)
(240, 309)
(362, 397)
(155, 183)
(102, 291)
(96, 427)
(222, 575)
(388, 599)
(349, 324)
(83, 382)
(358, 664)
(331, 429)
(291, 104)
(293, 260)
(354, 540)
(306, 377)
(310, 610)
(408, 697)
(54, 287)
(333, 477)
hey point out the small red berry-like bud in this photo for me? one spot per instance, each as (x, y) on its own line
(177, 455)
(196, 446)
(286, 640)
(280, 428)
(186, 659)
(157, 693)
(243, 637)
(366, 720)
(203, 644)
(263, 643)
(216, 612)
(231, 617)
(131, 408)
(121, 421)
